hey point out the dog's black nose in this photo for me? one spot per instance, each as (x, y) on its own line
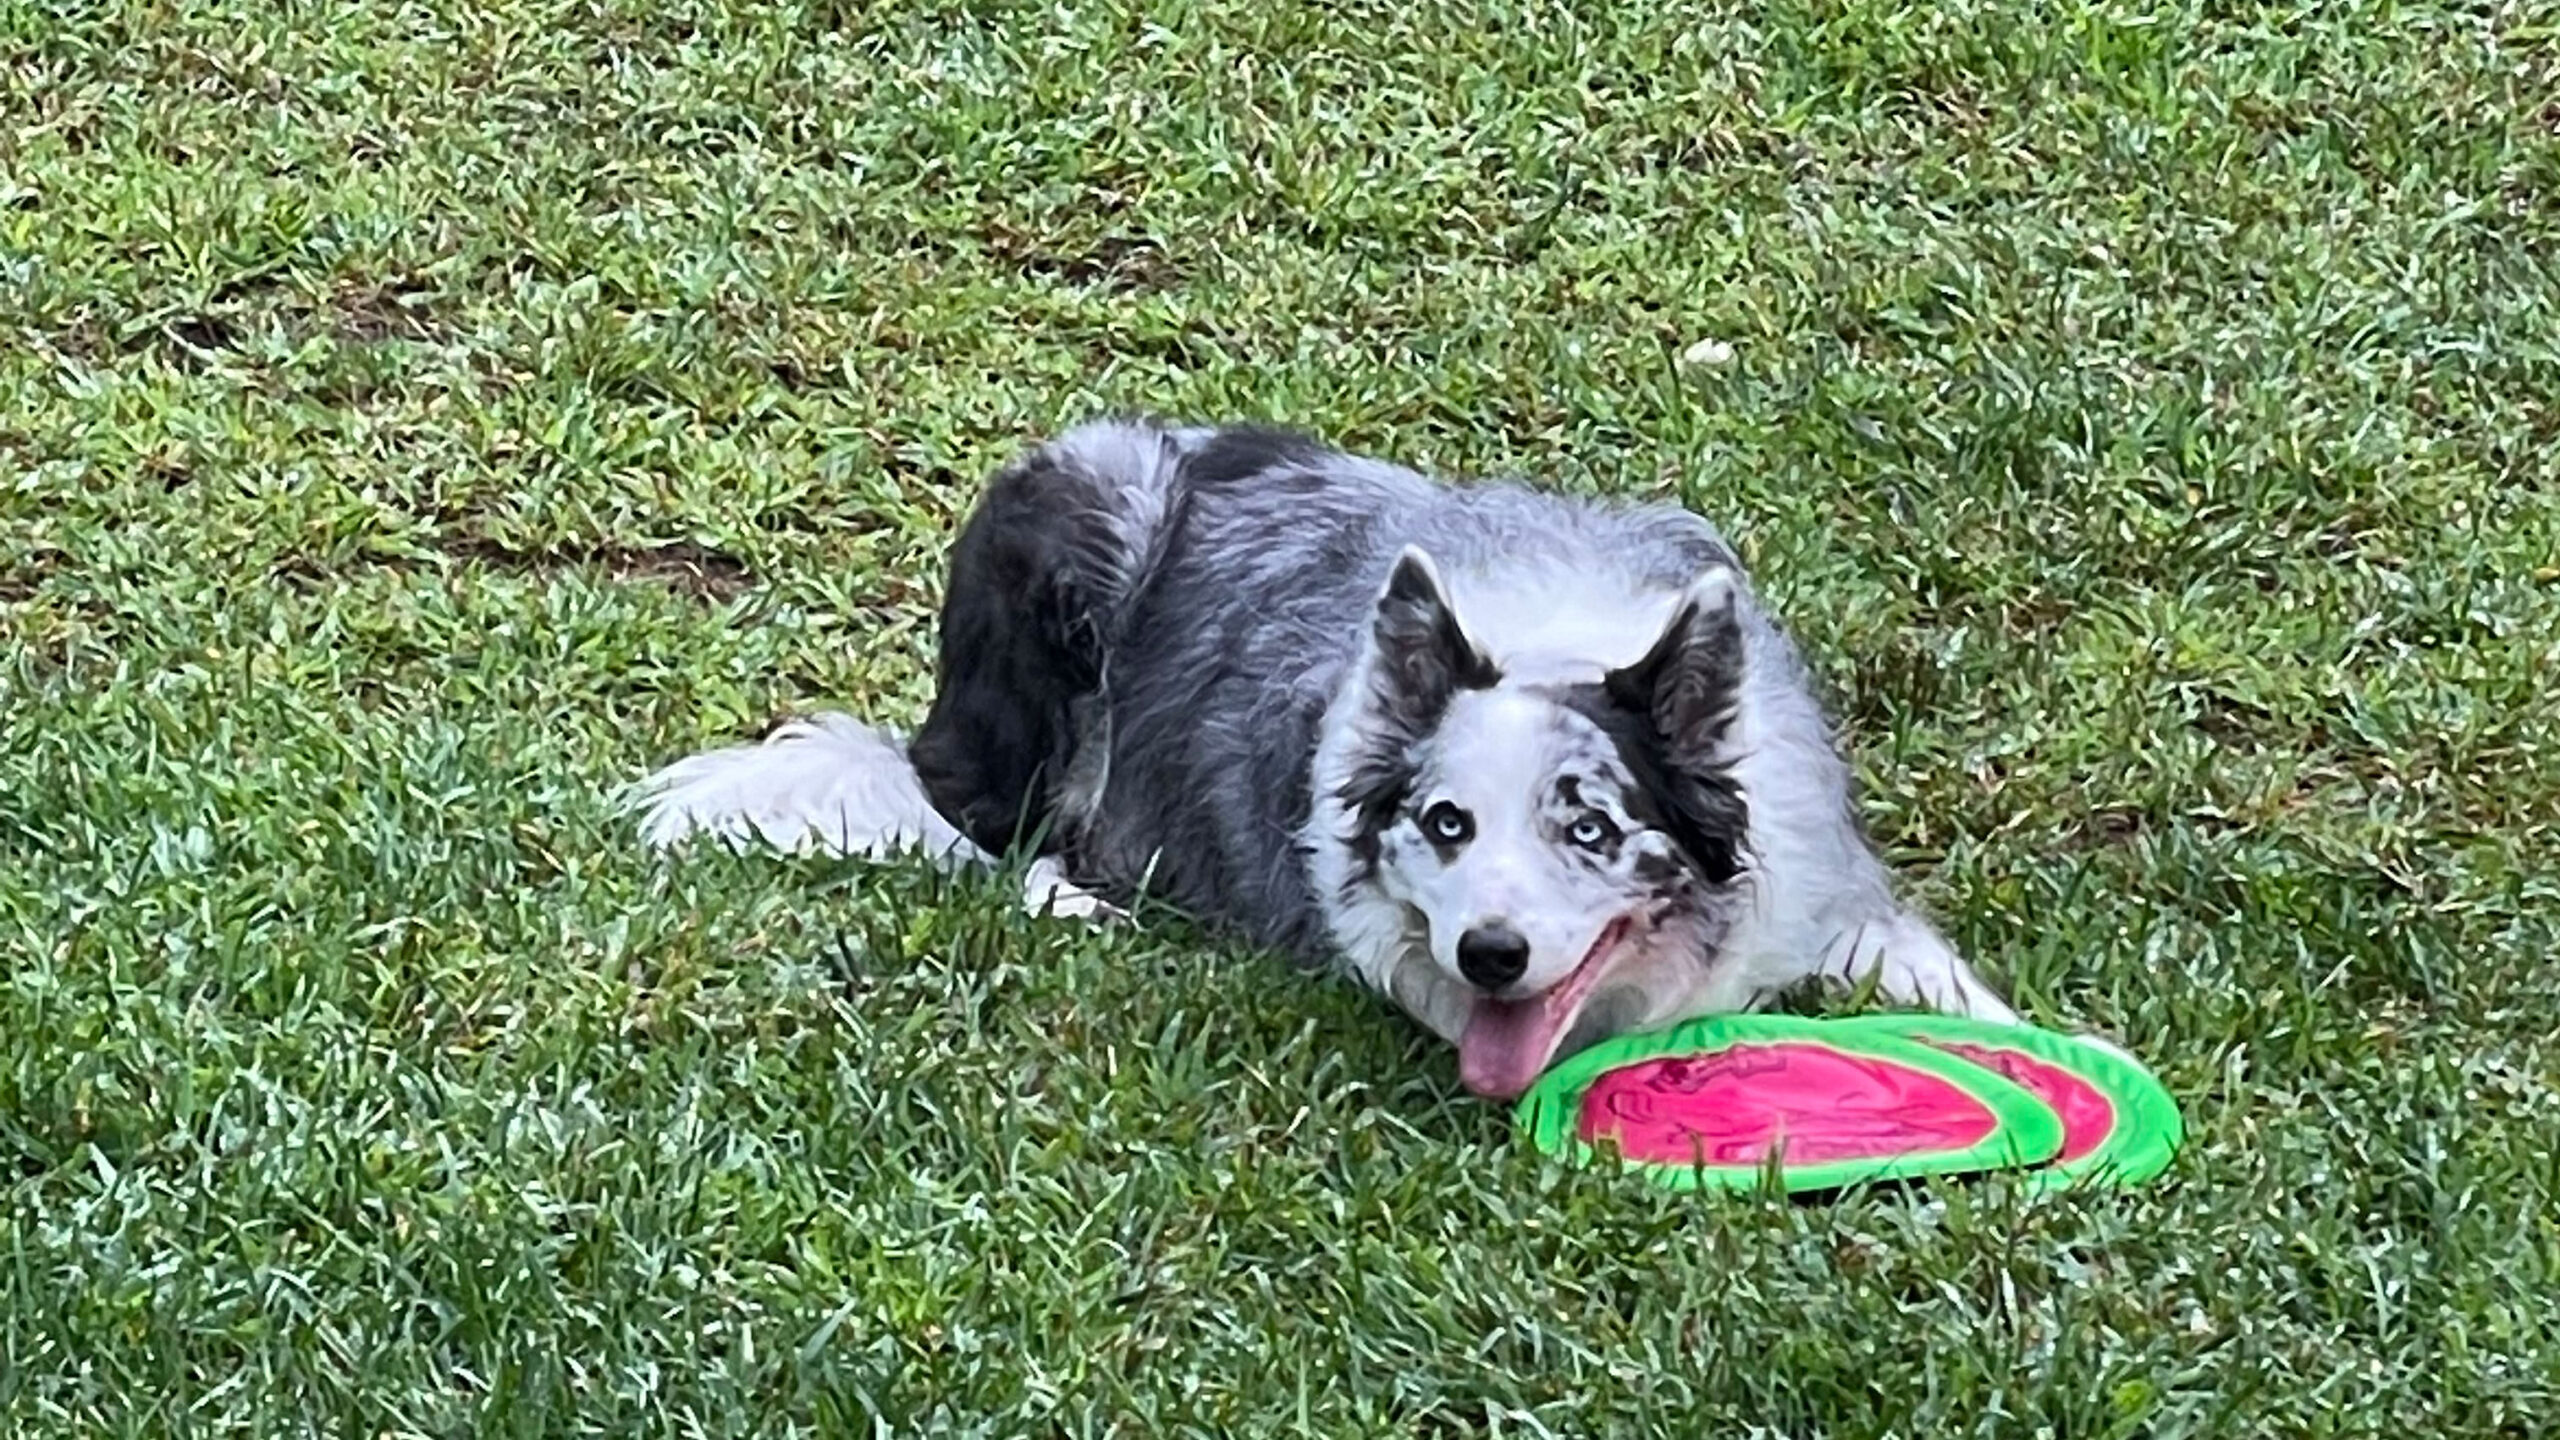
(1492, 956)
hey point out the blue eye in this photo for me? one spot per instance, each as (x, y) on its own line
(1591, 832)
(1446, 824)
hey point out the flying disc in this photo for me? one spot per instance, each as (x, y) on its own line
(2119, 1127)
(1738, 1101)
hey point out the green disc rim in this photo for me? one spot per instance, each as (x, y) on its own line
(2148, 1129)
(2025, 1131)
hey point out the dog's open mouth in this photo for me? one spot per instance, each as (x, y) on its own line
(1507, 1042)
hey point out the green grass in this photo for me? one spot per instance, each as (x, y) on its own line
(418, 419)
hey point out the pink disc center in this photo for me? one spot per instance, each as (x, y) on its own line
(1733, 1106)
(2087, 1114)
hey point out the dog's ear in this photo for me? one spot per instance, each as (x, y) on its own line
(1688, 682)
(1684, 692)
(1424, 655)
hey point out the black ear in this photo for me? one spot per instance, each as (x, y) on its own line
(1683, 694)
(1688, 683)
(1423, 658)
(1424, 654)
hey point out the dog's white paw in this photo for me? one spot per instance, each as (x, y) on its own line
(1046, 890)
(1914, 965)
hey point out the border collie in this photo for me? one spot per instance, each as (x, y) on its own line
(1540, 769)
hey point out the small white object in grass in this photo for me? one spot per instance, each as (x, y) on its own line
(1046, 890)
(1709, 351)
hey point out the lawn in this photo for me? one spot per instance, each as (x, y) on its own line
(417, 420)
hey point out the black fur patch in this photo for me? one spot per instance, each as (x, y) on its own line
(1568, 800)
(1687, 684)
(1377, 790)
(1250, 453)
(1019, 642)
(1697, 804)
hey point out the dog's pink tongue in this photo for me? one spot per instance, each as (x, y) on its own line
(1506, 1044)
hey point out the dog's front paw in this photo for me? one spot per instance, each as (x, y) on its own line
(1914, 965)
(1046, 890)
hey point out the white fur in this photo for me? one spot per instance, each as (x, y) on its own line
(1494, 746)
(1559, 627)
(828, 784)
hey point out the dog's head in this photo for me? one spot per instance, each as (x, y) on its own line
(1535, 863)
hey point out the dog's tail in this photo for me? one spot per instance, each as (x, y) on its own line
(827, 784)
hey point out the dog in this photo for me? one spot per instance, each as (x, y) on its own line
(1542, 770)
